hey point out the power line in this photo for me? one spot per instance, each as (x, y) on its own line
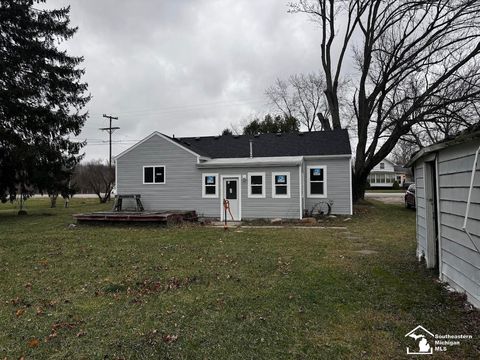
(186, 108)
(110, 131)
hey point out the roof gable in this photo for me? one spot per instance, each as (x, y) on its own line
(163, 136)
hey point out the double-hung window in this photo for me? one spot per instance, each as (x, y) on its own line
(280, 184)
(154, 174)
(317, 181)
(256, 185)
(209, 185)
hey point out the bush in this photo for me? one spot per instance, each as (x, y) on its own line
(367, 186)
(395, 185)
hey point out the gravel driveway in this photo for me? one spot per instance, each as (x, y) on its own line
(387, 198)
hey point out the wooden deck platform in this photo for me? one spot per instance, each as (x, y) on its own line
(161, 217)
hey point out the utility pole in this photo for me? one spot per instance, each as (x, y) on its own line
(110, 131)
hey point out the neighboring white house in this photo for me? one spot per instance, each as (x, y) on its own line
(262, 176)
(384, 174)
(448, 210)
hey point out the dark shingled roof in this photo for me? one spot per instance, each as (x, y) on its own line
(334, 142)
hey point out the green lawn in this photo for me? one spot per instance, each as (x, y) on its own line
(119, 292)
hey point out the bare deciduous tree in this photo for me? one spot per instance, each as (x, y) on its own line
(97, 177)
(301, 97)
(415, 60)
(403, 151)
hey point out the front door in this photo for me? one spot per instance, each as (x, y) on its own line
(230, 193)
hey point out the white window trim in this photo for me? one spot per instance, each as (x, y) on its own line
(281, 196)
(204, 194)
(155, 183)
(256, 196)
(309, 190)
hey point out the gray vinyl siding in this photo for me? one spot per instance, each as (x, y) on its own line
(267, 207)
(181, 189)
(460, 261)
(421, 210)
(183, 183)
(339, 188)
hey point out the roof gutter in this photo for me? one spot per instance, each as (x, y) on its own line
(251, 162)
(319, 157)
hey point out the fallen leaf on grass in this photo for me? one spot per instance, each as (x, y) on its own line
(44, 263)
(33, 343)
(52, 303)
(169, 338)
(19, 312)
(28, 286)
(81, 333)
(52, 335)
(15, 301)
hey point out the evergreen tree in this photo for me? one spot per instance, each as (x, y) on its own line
(270, 124)
(41, 99)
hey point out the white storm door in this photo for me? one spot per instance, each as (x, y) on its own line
(231, 193)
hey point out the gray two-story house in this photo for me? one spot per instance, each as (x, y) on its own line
(262, 176)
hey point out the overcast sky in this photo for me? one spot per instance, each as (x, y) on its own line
(183, 67)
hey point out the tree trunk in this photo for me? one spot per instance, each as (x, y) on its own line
(334, 109)
(324, 122)
(100, 197)
(53, 200)
(359, 179)
(106, 197)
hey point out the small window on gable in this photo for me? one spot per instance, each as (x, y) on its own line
(382, 166)
(154, 174)
(256, 185)
(280, 185)
(317, 181)
(209, 185)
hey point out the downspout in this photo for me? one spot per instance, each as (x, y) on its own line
(467, 210)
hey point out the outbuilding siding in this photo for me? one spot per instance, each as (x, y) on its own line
(421, 211)
(460, 260)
